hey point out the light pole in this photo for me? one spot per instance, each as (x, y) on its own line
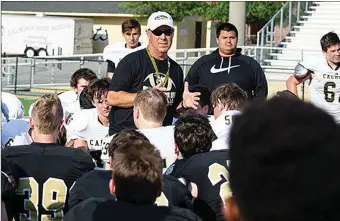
(237, 16)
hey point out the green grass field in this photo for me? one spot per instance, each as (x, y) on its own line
(27, 101)
(273, 87)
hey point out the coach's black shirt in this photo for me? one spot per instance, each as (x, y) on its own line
(134, 73)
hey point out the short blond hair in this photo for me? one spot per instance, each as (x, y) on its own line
(152, 103)
(47, 114)
(137, 172)
(229, 94)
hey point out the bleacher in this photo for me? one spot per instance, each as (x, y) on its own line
(304, 39)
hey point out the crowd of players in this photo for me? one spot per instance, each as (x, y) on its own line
(223, 158)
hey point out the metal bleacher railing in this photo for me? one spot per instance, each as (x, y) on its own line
(274, 31)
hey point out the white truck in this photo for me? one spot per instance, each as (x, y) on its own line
(31, 35)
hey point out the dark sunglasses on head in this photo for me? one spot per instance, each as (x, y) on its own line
(167, 32)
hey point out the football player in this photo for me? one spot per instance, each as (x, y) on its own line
(88, 127)
(70, 99)
(324, 75)
(85, 100)
(11, 106)
(16, 132)
(9, 180)
(284, 158)
(136, 183)
(113, 53)
(174, 192)
(150, 107)
(227, 101)
(48, 169)
(206, 170)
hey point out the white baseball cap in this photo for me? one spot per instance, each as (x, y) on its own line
(158, 19)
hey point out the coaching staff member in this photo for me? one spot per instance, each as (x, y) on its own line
(227, 64)
(148, 68)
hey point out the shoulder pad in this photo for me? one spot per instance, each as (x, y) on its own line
(78, 121)
(300, 71)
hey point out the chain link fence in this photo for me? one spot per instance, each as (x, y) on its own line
(54, 72)
(27, 73)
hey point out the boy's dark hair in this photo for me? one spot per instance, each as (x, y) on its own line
(130, 24)
(193, 134)
(85, 99)
(329, 40)
(205, 94)
(98, 88)
(226, 27)
(84, 73)
(284, 160)
(285, 94)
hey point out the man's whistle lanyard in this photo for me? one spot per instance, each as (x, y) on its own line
(156, 69)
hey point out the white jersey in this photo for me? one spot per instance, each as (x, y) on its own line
(222, 125)
(163, 139)
(15, 132)
(116, 52)
(11, 106)
(220, 144)
(85, 125)
(325, 85)
(105, 152)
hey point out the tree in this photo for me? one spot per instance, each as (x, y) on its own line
(207, 10)
(261, 10)
(178, 9)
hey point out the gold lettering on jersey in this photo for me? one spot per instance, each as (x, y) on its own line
(53, 198)
(332, 77)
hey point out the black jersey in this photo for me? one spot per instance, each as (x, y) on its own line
(48, 171)
(92, 184)
(209, 171)
(96, 209)
(96, 184)
(9, 181)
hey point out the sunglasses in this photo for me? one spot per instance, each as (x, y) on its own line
(167, 32)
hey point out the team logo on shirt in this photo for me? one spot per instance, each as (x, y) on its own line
(218, 70)
(152, 80)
